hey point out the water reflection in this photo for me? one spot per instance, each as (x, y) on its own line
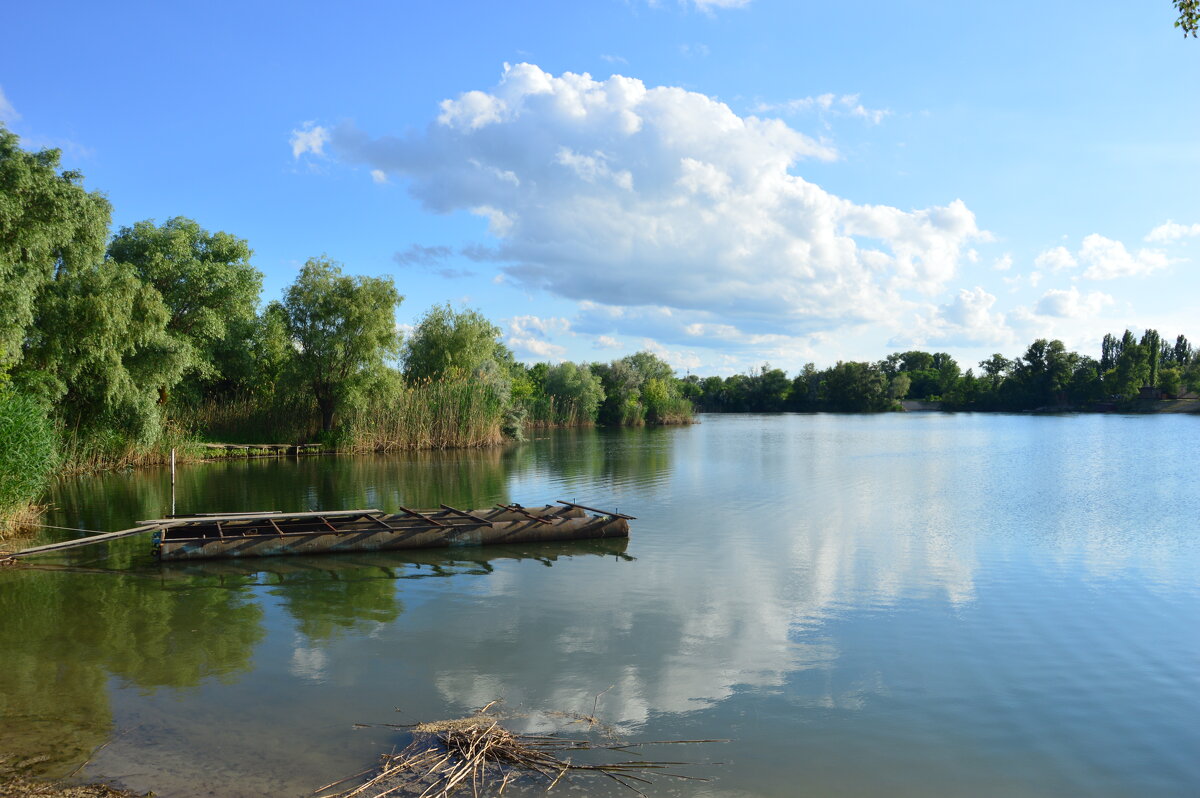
(941, 597)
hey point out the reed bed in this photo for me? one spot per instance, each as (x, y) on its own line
(457, 414)
(545, 412)
(480, 756)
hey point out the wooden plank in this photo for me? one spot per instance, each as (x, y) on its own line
(514, 509)
(464, 514)
(77, 542)
(203, 516)
(255, 517)
(594, 510)
(424, 518)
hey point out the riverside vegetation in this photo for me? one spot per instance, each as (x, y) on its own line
(1047, 377)
(117, 347)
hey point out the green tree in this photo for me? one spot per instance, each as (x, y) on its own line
(574, 388)
(49, 225)
(205, 280)
(1189, 16)
(343, 329)
(102, 374)
(452, 344)
(855, 387)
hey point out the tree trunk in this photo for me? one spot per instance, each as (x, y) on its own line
(327, 407)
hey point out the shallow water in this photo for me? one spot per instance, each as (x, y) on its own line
(895, 605)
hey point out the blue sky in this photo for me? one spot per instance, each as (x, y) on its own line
(725, 183)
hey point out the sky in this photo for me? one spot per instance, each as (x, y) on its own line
(726, 183)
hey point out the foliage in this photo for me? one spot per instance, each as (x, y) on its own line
(205, 280)
(1189, 16)
(451, 344)
(102, 375)
(570, 395)
(49, 225)
(28, 451)
(344, 330)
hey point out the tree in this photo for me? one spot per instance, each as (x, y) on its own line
(855, 387)
(102, 375)
(574, 387)
(49, 225)
(1152, 344)
(343, 328)
(1189, 16)
(205, 280)
(452, 344)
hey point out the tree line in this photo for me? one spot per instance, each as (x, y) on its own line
(116, 346)
(1046, 376)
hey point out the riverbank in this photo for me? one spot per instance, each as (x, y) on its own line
(14, 784)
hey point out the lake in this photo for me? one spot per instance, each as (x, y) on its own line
(890, 605)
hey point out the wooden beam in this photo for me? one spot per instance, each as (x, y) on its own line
(255, 517)
(594, 510)
(77, 542)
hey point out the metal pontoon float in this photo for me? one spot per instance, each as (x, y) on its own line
(274, 533)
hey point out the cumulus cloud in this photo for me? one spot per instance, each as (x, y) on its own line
(629, 195)
(1072, 303)
(1107, 259)
(1173, 231)
(1056, 260)
(1003, 263)
(967, 320)
(530, 335)
(309, 138)
(8, 114)
(829, 103)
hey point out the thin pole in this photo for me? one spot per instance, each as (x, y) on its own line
(172, 481)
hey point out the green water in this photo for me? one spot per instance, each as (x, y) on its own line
(892, 605)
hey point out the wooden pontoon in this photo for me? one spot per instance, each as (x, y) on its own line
(274, 533)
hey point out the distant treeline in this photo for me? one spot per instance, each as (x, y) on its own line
(1046, 376)
(116, 347)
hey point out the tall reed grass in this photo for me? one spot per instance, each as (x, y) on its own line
(446, 414)
(432, 415)
(552, 411)
(28, 454)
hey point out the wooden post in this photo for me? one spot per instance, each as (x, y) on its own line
(172, 480)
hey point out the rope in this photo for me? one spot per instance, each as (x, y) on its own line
(70, 529)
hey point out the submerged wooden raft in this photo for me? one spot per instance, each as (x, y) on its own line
(274, 533)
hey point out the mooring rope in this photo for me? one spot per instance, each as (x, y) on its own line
(70, 529)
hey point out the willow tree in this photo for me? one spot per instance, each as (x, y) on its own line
(99, 349)
(49, 224)
(205, 280)
(452, 344)
(344, 331)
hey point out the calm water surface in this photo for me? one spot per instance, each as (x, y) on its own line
(889, 605)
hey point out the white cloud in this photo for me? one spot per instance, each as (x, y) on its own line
(1056, 260)
(829, 103)
(1003, 263)
(628, 195)
(1072, 304)
(607, 342)
(1173, 231)
(531, 335)
(1107, 259)
(8, 114)
(379, 176)
(680, 360)
(309, 137)
(708, 5)
(967, 320)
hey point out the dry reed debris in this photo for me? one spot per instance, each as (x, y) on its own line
(478, 755)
